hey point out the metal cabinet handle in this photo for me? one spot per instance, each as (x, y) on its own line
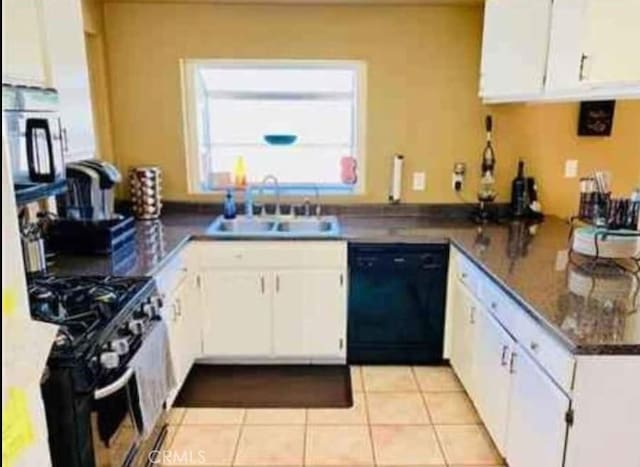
(534, 346)
(494, 306)
(472, 315)
(512, 363)
(65, 140)
(262, 288)
(581, 73)
(277, 283)
(503, 357)
(176, 310)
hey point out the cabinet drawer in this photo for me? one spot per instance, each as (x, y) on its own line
(172, 275)
(266, 254)
(550, 354)
(468, 274)
(500, 304)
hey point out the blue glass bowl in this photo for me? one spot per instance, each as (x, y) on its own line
(280, 140)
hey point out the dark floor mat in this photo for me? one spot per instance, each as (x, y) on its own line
(267, 386)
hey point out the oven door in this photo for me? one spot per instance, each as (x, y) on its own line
(113, 424)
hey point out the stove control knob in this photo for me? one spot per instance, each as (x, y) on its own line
(149, 310)
(156, 300)
(136, 326)
(120, 346)
(109, 360)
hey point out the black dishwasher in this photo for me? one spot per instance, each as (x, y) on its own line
(397, 295)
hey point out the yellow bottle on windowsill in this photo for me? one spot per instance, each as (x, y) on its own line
(240, 173)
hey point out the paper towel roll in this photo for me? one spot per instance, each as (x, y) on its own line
(395, 190)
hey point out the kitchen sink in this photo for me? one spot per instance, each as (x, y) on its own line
(305, 226)
(272, 226)
(246, 225)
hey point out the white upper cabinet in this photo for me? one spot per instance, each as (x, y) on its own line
(566, 46)
(23, 55)
(536, 50)
(65, 47)
(611, 51)
(514, 48)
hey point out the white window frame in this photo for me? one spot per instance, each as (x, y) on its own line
(189, 68)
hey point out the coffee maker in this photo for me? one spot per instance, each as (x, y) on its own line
(90, 191)
(87, 221)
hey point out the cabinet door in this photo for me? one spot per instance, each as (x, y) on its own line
(192, 316)
(462, 336)
(492, 379)
(514, 48)
(23, 57)
(309, 313)
(171, 315)
(236, 313)
(613, 35)
(190, 323)
(64, 32)
(566, 46)
(537, 427)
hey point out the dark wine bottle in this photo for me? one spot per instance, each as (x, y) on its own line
(519, 193)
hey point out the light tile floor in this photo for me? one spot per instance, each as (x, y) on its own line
(402, 416)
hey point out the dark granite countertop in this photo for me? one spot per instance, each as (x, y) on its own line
(590, 312)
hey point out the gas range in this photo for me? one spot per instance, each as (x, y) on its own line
(102, 319)
(90, 390)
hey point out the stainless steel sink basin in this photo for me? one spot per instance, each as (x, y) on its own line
(244, 225)
(284, 227)
(305, 226)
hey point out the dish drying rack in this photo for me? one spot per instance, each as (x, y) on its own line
(606, 231)
(599, 257)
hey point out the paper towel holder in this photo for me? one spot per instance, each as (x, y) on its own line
(395, 188)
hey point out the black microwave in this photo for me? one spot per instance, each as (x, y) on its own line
(33, 135)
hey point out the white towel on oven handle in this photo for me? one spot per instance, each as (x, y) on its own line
(154, 375)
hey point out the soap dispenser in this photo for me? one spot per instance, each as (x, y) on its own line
(229, 211)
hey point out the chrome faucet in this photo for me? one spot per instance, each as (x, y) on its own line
(271, 178)
(248, 201)
(307, 204)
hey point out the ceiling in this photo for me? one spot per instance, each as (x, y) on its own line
(310, 2)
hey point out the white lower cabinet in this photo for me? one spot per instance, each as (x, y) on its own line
(309, 314)
(537, 426)
(492, 376)
(237, 313)
(182, 315)
(464, 310)
(274, 301)
(511, 373)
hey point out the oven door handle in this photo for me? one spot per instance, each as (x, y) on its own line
(118, 384)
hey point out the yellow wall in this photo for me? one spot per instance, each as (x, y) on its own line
(423, 64)
(93, 18)
(544, 136)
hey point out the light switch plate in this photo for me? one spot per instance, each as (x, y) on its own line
(571, 168)
(419, 181)
(562, 259)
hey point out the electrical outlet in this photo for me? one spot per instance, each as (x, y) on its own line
(571, 168)
(419, 181)
(457, 179)
(457, 182)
